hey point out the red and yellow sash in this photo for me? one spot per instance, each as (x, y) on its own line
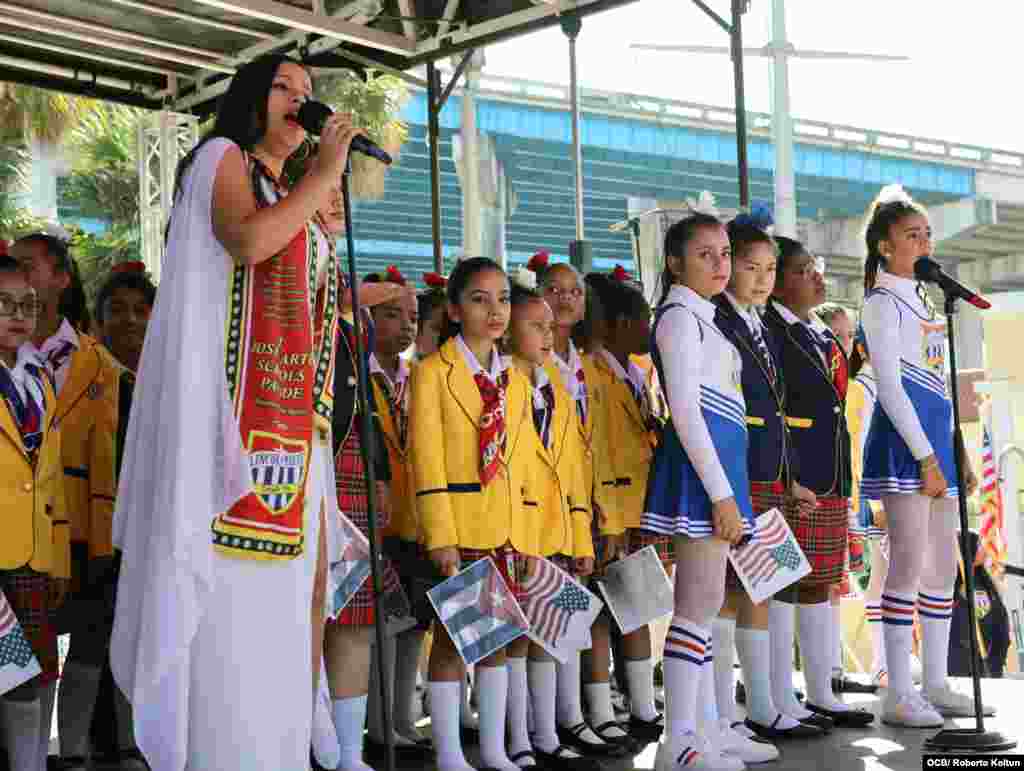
(279, 359)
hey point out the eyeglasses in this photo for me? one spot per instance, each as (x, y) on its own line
(9, 307)
(814, 265)
(575, 293)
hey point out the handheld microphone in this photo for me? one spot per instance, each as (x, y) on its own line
(312, 116)
(929, 271)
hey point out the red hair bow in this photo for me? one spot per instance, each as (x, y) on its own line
(135, 266)
(539, 261)
(435, 280)
(621, 274)
(395, 275)
(3, 248)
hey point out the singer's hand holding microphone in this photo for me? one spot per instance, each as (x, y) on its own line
(337, 137)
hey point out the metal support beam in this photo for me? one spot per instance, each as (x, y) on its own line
(202, 21)
(66, 73)
(739, 7)
(711, 12)
(88, 56)
(408, 11)
(434, 141)
(461, 68)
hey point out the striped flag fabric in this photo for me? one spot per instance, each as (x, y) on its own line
(478, 610)
(992, 534)
(349, 572)
(771, 560)
(560, 610)
(18, 663)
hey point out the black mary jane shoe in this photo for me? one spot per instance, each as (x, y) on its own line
(844, 718)
(645, 731)
(630, 744)
(564, 759)
(825, 723)
(846, 684)
(414, 749)
(773, 733)
(572, 737)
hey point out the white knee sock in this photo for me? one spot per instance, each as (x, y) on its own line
(754, 650)
(21, 724)
(518, 699)
(837, 639)
(640, 677)
(349, 720)
(936, 613)
(816, 647)
(492, 696)
(79, 685)
(898, 627)
(707, 703)
(542, 678)
(723, 633)
(570, 693)
(781, 624)
(685, 648)
(873, 614)
(466, 714)
(47, 696)
(444, 722)
(407, 662)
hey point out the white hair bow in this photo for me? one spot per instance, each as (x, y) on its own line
(525, 278)
(56, 231)
(705, 204)
(893, 193)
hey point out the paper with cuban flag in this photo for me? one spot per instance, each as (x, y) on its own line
(349, 572)
(771, 560)
(479, 611)
(560, 610)
(18, 663)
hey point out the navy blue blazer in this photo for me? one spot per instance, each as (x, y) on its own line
(815, 410)
(771, 457)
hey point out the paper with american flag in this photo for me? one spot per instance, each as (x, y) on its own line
(560, 610)
(18, 663)
(992, 533)
(771, 560)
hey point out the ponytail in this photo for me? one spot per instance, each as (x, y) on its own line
(891, 205)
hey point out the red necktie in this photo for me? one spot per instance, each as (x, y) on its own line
(492, 424)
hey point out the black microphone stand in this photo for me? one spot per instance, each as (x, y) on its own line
(367, 450)
(975, 739)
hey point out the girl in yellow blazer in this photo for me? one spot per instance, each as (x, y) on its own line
(632, 427)
(471, 449)
(34, 551)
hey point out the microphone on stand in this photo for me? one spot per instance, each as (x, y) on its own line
(312, 116)
(928, 270)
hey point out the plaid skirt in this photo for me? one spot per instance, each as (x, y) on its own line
(822, 534)
(28, 593)
(512, 566)
(350, 484)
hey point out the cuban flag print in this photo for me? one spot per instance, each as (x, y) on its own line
(559, 609)
(479, 611)
(349, 573)
(17, 662)
(771, 560)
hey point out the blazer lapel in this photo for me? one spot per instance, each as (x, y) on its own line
(519, 410)
(384, 414)
(625, 394)
(9, 427)
(461, 384)
(83, 374)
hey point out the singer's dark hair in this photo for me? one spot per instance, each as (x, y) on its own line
(676, 239)
(881, 218)
(73, 304)
(457, 283)
(242, 110)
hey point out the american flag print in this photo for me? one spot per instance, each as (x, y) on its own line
(991, 532)
(772, 559)
(479, 611)
(18, 663)
(559, 609)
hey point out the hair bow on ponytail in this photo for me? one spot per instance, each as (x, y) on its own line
(435, 280)
(525, 278)
(893, 194)
(621, 275)
(394, 275)
(539, 262)
(3, 247)
(136, 266)
(705, 204)
(759, 216)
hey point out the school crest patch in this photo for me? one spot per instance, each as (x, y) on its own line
(278, 468)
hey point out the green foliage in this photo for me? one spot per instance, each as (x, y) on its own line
(14, 172)
(28, 113)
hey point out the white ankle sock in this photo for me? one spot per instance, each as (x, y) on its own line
(570, 691)
(599, 703)
(324, 735)
(873, 614)
(781, 622)
(466, 714)
(22, 725)
(349, 720)
(640, 677)
(542, 678)
(78, 688)
(518, 701)
(754, 650)
(898, 627)
(816, 629)
(685, 648)
(444, 722)
(407, 662)
(492, 695)
(723, 634)
(936, 613)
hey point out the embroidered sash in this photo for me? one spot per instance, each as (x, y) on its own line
(279, 360)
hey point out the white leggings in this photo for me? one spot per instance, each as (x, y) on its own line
(922, 544)
(700, 578)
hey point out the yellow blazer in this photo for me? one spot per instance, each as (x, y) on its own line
(35, 529)
(631, 451)
(563, 491)
(597, 455)
(403, 501)
(87, 412)
(453, 508)
(856, 421)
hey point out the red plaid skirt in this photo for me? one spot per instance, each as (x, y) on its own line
(350, 484)
(636, 539)
(822, 535)
(28, 593)
(512, 565)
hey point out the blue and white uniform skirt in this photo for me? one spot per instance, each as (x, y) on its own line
(866, 521)
(676, 502)
(889, 467)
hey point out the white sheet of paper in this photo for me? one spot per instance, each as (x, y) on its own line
(637, 590)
